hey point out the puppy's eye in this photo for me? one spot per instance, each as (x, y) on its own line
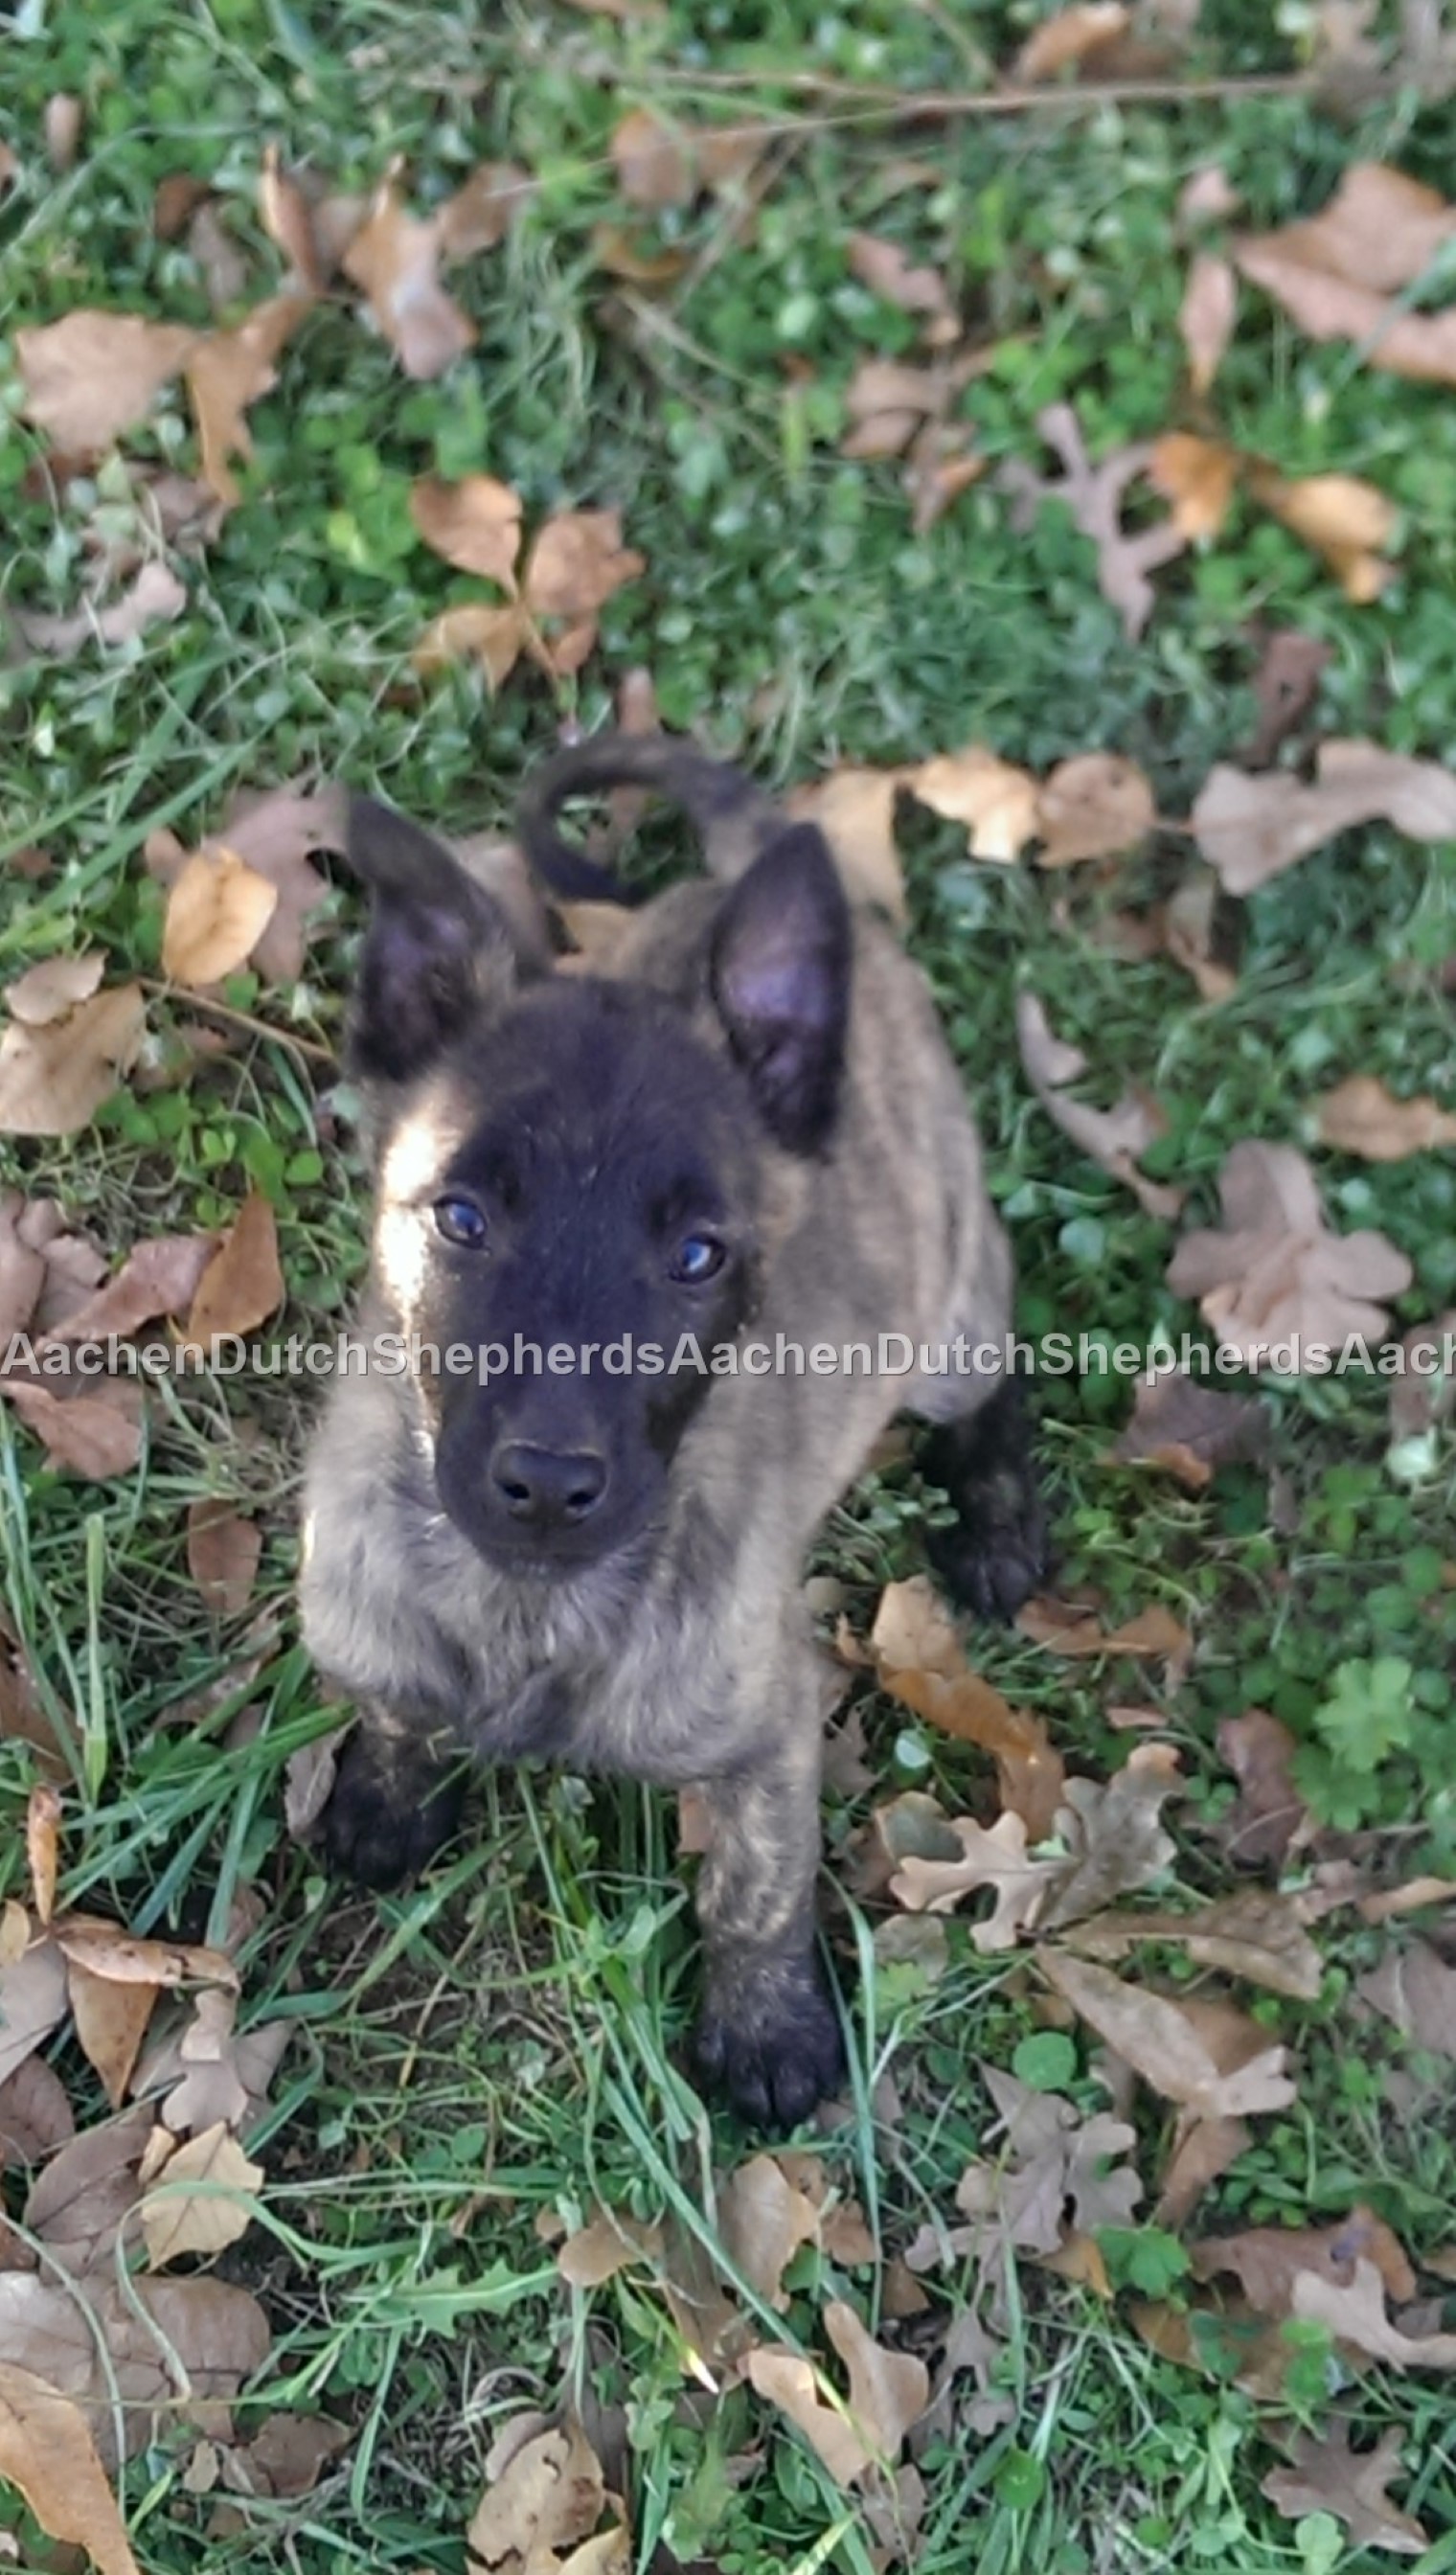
(461, 1222)
(699, 1257)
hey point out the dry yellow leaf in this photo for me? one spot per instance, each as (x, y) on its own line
(218, 911)
(201, 2201)
(1199, 476)
(997, 803)
(473, 524)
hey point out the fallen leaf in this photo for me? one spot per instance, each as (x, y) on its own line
(155, 597)
(54, 1078)
(854, 810)
(1111, 1138)
(1114, 1835)
(1252, 1934)
(1190, 933)
(81, 2199)
(654, 161)
(494, 637)
(1346, 520)
(1065, 1627)
(223, 1553)
(47, 992)
(1272, 1280)
(1208, 196)
(482, 211)
(886, 402)
(994, 1860)
(1286, 685)
(32, 2002)
(474, 524)
(89, 378)
(1267, 2260)
(1094, 807)
(111, 2023)
(216, 913)
(394, 259)
(920, 1662)
(241, 1283)
(1251, 828)
(1415, 1988)
(610, 2243)
(577, 562)
(157, 1278)
(888, 2390)
(1326, 2475)
(1203, 2150)
(548, 2497)
(211, 246)
(1270, 1814)
(763, 2219)
(1071, 39)
(1095, 495)
(1189, 1429)
(272, 835)
(62, 126)
(911, 1826)
(1336, 273)
(86, 1940)
(88, 1435)
(35, 2113)
(1355, 2313)
(1361, 1116)
(308, 1781)
(47, 2451)
(1161, 2041)
(999, 802)
(42, 1848)
(157, 2348)
(1199, 476)
(888, 273)
(228, 372)
(1206, 317)
(200, 2203)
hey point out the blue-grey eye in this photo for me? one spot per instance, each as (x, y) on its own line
(699, 1257)
(461, 1222)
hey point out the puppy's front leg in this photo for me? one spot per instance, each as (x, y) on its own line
(770, 2033)
(396, 1801)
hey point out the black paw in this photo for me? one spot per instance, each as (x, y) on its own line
(997, 1553)
(770, 2038)
(385, 1821)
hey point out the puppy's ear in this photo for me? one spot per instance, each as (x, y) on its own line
(779, 971)
(437, 952)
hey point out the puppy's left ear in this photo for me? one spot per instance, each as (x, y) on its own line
(438, 952)
(779, 971)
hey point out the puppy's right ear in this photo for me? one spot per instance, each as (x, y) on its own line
(437, 952)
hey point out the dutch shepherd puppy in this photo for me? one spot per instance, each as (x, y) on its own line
(744, 1137)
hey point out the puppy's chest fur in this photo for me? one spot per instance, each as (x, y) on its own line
(636, 1664)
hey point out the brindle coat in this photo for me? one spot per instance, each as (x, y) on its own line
(829, 1141)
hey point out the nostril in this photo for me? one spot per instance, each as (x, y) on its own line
(545, 1487)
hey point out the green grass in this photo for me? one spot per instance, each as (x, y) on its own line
(503, 2043)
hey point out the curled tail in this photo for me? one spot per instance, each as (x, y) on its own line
(732, 815)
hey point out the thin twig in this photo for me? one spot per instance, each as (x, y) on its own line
(304, 1047)
(908, 106)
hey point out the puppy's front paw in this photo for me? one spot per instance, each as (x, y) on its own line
(387, 1818)
(997, 1553)
(770, 2038)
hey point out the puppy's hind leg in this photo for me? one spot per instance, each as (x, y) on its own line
(396, 1801)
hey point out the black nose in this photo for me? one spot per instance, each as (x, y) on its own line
(545, 1488)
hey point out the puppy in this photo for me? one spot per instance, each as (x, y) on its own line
(658, 1218)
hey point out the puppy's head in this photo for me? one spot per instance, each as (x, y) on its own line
(573, 1173)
